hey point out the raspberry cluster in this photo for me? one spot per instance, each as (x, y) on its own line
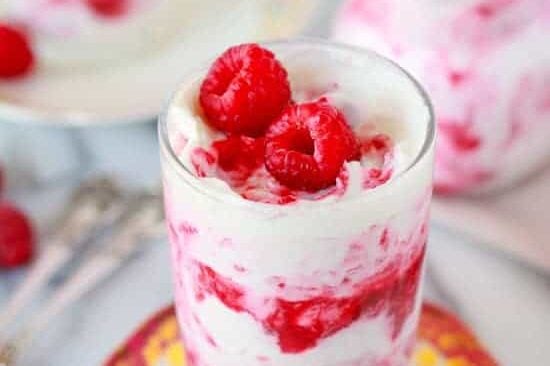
(246, 94)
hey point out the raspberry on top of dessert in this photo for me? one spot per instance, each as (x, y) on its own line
(276, 138)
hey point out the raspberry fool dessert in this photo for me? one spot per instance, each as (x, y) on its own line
(297, 182)
(486, 66)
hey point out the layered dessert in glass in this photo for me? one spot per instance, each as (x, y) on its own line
(297, 180)
(485, 63)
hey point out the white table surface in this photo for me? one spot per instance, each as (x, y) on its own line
(506, 303)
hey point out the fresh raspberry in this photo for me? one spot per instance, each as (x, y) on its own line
(244, 90)
(16, 237)
(16, 57)
(240, 153)
(308, 144)
(108, 8)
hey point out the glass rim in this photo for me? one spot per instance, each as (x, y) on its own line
(194, 181)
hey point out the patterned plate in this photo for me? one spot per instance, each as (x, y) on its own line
(443, 341)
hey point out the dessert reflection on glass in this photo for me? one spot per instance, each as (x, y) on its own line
(297, 183)
(486, 65)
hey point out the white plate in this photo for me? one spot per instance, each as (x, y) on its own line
(136, 90)
(516, 221)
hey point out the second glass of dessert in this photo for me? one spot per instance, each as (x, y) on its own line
(486, 65)
(297, 179)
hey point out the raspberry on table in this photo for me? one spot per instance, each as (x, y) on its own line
(306, 146)
(16, 56)
(244, 90)
(108, 8)
(16, 237)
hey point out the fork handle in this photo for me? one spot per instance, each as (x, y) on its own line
(91, 273)
(54, 255)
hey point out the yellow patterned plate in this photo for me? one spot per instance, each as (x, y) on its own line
(443, 340)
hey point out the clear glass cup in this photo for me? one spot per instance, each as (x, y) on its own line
(325, 283)
(487, 70)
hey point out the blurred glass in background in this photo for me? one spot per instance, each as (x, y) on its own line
(486, 65)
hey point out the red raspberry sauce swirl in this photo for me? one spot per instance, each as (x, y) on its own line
(300, 325)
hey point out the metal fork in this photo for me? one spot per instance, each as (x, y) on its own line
(96, 203)
(142, 220)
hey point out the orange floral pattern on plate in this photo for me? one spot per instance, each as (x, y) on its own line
(443, 340)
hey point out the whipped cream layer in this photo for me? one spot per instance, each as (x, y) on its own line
(487, 68)
(321, 282)
(382, 106)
